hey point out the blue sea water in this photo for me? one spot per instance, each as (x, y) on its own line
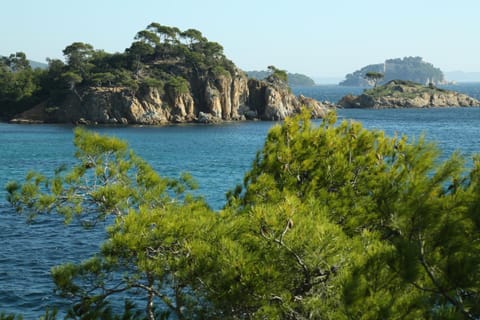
(216, 155)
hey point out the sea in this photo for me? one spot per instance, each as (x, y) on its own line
(217, 156)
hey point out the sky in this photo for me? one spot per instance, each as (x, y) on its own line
(318, 38)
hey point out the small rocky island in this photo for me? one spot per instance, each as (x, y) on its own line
(407, 94)
(165, 76)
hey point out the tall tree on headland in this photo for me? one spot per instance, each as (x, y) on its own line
(278, 74)
(374, 76)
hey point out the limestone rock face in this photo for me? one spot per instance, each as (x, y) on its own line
(213, 101)
(210, 100)
(225, 95)
(149, 109)
(239, 96)
(182, 108)
(275, 102)
(406, 94)
(106, 106)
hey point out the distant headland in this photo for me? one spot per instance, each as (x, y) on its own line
(408, 69)
(294, 79)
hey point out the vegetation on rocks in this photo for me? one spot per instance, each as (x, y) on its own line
(332, 222)
(399, 88)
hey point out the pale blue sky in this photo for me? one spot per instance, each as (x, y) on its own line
(316, 37)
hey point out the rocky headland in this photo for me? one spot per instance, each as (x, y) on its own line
(165, 76)
(407, 94)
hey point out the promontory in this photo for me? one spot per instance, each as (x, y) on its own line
(407, 94)
(165, 76)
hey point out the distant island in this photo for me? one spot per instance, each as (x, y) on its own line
(294, 79)
(408, 69)
(407, 94)
(165, 76)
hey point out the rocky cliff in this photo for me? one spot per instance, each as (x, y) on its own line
(223, 98)
(406, 94)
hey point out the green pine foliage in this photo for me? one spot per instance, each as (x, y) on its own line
(333, 222)
(277, 75)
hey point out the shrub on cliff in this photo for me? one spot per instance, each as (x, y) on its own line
(333, 221)
(177, 85)
(278, 74)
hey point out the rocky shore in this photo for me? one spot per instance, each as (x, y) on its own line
(224, 98)
(406, 94)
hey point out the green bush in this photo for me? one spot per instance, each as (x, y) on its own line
(177, 85)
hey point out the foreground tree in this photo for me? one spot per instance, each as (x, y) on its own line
(417, 219)
(334, 222)
(110, 180)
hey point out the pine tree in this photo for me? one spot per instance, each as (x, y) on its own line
(333, 221)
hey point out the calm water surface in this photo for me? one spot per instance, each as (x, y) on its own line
(217, 156)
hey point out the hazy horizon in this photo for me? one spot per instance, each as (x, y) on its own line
(321, 40)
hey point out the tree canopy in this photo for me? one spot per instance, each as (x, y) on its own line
(333, 221)
(20, 85)
(277, 74)
(374, 77)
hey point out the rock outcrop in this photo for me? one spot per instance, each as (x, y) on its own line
(273, 100)
(406, 94)
(223, 98)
